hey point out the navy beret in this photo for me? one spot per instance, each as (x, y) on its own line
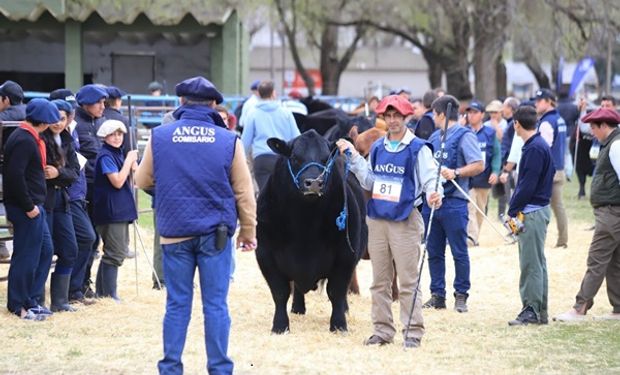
(154, 86)
(254, 85)
(42, 111)
(12, 90)
(63, 105)
(544, 94)
(90, 94)
(198, 88)
(64, 94)
(114, 92)
(475, 105)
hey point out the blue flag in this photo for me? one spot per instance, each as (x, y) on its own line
(581, 70)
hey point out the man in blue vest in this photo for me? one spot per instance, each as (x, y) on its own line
(480, 185)
(401, 168)
(552, 128)
(460, 160)
(203, 186)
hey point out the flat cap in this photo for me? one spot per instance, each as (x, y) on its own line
(114, 92)
(110, 126)
(494, 106)
(42, 111)
(63, 105)
(476, 106)
(544, 94)
(12, 89)
(400, 104)
(198, 88)
(91, 94)
(606, 115)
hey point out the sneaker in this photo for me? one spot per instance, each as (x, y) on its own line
(4, 251)
(610, 316)
(460, 302)
(471, 242)
(40, 310)
(130, 254)
(376, 340)
(89, 293)
(570, 316)
(29, 315)
(412, 342)
(525, 317)
(559, 245)
(436, 302)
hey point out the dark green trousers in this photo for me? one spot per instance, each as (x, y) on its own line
(533, 284)
(157, 254)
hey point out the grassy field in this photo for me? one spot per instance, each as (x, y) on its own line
(125, 338)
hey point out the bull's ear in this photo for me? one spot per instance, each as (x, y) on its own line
(279, 146)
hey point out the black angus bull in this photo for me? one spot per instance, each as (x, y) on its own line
(298, 238)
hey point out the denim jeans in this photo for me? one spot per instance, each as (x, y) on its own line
(180, 262)
(31, 260)
(60, 224)
(449, 222)
(85, 236)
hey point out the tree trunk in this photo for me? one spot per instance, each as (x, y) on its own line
(485, 71)
(435, 71)
(457, 76)
(329, 60)
(501, 79)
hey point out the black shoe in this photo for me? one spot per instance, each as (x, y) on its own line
(525, 317)
(412, 342)
(460, 302)
(436, 302)
(160, 286)
(376, 340)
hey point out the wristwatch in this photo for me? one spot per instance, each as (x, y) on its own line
(457, 172)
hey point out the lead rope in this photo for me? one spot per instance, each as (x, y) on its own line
(343, 218)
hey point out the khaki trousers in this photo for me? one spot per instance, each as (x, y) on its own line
(481, 197)
(557, 206)
(392, 243)
(603, 260)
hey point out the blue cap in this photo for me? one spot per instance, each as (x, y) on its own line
(114, 92)
(254, 85)
(63, 105)
(198, 88)
(91, 94)
(544, 94)
(476, 106)
(42, 111)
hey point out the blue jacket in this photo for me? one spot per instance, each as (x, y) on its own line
(535, 180)
(90, 144)
(192, 161)
(450, 158)
(268, 119)
(558, 147)
(14, 113)
(77, 190)
(112, 205)
(507, 139)
(393, 171)
(486, 139)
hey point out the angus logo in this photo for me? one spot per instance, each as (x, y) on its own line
(193, 134)
(389, 168)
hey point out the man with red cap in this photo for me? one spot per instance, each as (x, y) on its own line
(401, 167)
(604, 254)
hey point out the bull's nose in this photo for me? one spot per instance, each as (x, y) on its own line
(313, 185)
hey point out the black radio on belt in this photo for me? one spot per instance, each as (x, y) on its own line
(221, 236)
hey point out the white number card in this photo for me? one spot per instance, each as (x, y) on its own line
(387, 189)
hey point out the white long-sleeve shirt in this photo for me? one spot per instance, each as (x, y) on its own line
(425, 169)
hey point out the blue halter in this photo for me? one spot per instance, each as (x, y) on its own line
(325, 169)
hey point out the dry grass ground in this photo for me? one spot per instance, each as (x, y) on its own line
(125, 338)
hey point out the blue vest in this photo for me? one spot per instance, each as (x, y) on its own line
(192, 161)
(112, 205)
(558, 147)
(450, 159)
(393, 169)
(486, 139)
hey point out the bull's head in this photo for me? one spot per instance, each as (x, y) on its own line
(309, 161)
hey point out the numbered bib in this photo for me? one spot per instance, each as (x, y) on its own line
(387, 189)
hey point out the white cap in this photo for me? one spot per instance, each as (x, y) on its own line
(110, 126)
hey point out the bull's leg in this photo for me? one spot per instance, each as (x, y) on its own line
(337, 293)
(354, 287)
(280, 292)
(299, 302)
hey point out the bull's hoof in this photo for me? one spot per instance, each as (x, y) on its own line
(280, 331)
(301, 310)
(333, 328)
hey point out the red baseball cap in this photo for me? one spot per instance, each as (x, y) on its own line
(399, 103)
